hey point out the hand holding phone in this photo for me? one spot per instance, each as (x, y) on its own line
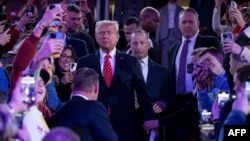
(73, 67)
(233, 5)
(56, 35)
(223, 97)
(227, 36)
(28, 89)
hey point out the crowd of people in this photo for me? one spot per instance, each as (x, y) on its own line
(156, 78)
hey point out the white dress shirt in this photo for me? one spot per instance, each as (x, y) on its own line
(144, 66)
(189, 81)
(111, 60)
(80, 95)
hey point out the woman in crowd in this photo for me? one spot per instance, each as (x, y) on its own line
(63, 76)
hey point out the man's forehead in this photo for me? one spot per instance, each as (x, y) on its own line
(204, 57)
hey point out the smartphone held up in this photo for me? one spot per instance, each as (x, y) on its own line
(59, 36)
(28, 84)
(73, 67)
(223, 97)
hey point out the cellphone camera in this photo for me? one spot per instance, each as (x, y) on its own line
(206, 116)
(227, 36)
(223, 97)
(56, 22)
(56, 35)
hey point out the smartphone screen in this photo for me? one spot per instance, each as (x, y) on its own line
(227, 36)
(233, 4)
(73, 67)
(56, 35)
(247, 85)
(28, 89)
(223, 97)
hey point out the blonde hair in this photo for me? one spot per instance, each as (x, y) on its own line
(8, 126)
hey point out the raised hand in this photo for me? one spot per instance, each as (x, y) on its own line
(84, 6)
(51, 46)
(50, 15)
(5, 37)
(235, 14)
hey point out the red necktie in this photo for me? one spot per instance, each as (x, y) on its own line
(107, 70)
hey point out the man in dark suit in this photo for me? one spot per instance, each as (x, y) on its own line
(79, 46)
(181, 116)
(83, 113)
(189, 26)
(149, 21)
(155, 76)
(73, 24)
(120, 75)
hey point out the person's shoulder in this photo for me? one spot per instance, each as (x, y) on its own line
(128, 57)
(87, 57)
(173, 46)
(158, 66)
(207, 37)
(95, 105)
(84, 35)
(73, 39)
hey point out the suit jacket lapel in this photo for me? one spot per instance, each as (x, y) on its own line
(118, 58)
(197, 42)
(97, 67)
(175, 51)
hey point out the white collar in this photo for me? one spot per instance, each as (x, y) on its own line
(80, 95)
(192, 39)
(145, 60)
(111, 53)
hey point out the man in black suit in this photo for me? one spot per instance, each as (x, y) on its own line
(181, 115)
(79, 46)
(73, 27)
(155, 76)
(120, 76)
(83, 113)
(149, 21)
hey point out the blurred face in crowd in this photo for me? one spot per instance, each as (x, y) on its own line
(40, 90)
(188, 24)
(73, 22)
(64, 60)
(150, 22)
(46, 64)
(234, 63)
(128, 29)
(238, 86)
(107, 37)
(139, 45)
(246, 14)
(212, 63)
